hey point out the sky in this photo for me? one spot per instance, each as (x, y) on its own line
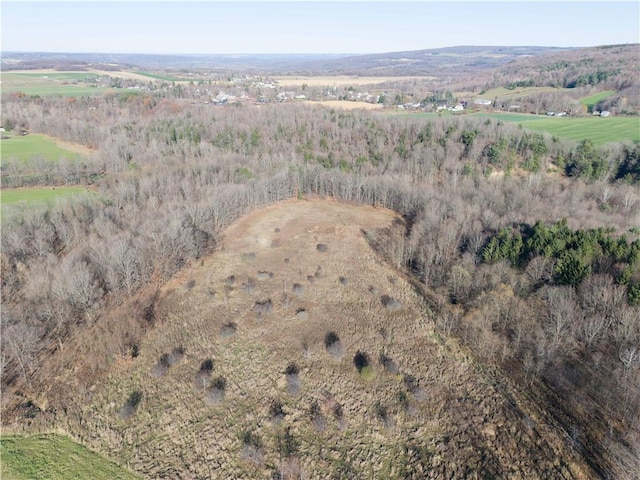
(214, 27)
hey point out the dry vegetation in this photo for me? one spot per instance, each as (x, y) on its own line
(346, 105)
(402, 401)
(333, 339)
(342, 80)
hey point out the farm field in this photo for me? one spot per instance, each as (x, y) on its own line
(15, 199)
(50, 83)
(38, 194)
(600, 130)
(593, 99)
(22, 148)
(160, 76)
(503, 92)
(339, 80)
(52, 456)
(346, 105)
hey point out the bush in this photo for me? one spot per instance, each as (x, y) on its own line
(298, 289)
(252, 447)
(388, 364)
(216, 392)
(361, 361)
(228, 330)
(206, 366)
(390, 303)
(263, 307)
(276, 411)
(292, 369)
(333, 344)
(293, 379)
(317, 418)
(131, 405)
(202, 377)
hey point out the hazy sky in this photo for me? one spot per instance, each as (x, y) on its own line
(309, 26)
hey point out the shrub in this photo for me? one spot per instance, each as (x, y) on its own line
(228, 330)
(131, 405)
(176, 355)
(276, 411)
(217, 388)
(361, 361)
(317, 418)
(292, 369)
(388, 364)
(263, 307)
(287, 444)
(333, 344)
(298, 289)
(206, 366)
(293, 379)
(252, 447)
(202, 377)
(249, 286)
(390, 303)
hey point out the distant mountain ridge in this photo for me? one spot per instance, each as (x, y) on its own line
(415, 62)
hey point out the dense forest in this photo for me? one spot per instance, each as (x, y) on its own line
(525, 246)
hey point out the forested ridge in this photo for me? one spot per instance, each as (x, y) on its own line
(525, 246)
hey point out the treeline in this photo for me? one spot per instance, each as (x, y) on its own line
(172, 176)
(576, 253)
(137, 130)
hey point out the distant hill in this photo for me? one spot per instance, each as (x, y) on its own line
(428, 62)
(417, 62)
(612, 66)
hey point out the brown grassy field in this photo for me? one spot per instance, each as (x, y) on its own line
(339, 80)
(346, 105)
(394, 398)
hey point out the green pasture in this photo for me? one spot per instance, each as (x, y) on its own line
(13, 201)
(49, 84)
(24, 147)
(38, 194)
(503, 92)
(161, 76)
(62, 76)
(54, 457)
(600, 130)
(593, 99)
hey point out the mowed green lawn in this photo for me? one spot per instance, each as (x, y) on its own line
(24, 147)
(600, 130)
(54, 457)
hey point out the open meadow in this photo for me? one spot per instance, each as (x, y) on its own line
(52, 456)
(16, 199)
(66, 84)
(339, 80)
(599, 130)
(25, 147)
